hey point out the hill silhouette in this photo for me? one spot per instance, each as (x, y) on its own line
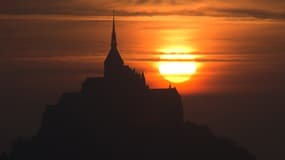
(119, 117)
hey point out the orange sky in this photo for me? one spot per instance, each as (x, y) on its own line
(228, 38)
(48, 47)
(227, 50)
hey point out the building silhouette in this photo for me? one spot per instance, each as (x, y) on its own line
(157, 107)
(118, 117)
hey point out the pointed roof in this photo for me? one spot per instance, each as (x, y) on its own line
(114, 55)
(114, 38)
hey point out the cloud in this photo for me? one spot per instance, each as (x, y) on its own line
(220, 8)
(214, 12)
(241, 12)
(201, 60)
(156, 1)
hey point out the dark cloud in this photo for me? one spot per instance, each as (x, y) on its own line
(84, 7)
(104, 8)
(142, 1)
(47, 7)
(240, 12)
(215, 12)
(156, 1)
(200, 60)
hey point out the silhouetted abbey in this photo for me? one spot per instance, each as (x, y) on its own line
(126, 94)
(119, 117)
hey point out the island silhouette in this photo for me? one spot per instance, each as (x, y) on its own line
(119, 117)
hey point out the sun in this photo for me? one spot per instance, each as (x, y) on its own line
(177, 65)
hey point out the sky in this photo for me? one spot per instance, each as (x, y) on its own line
(48, 47)
(269, 9)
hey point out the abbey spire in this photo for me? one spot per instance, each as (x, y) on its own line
(113, 59)
(114, 38)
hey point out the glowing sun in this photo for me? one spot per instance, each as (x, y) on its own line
(177, 65)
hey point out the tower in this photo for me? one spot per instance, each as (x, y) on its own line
(116, 73)
(113, 61)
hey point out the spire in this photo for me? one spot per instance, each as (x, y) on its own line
(114, 38)
(113, 59)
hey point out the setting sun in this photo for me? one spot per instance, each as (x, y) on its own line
(177, 64)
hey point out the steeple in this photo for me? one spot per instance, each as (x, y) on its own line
(114, 38)
(113, 60)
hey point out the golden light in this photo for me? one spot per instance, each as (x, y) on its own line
(177, 64)
(177, 50)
